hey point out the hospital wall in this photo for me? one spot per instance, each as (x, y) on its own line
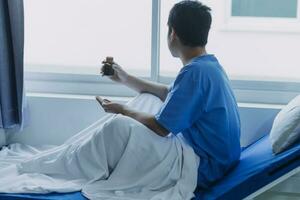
(54, 118)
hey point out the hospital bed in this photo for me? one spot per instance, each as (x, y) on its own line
(258, 170)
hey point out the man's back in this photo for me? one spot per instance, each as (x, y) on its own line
(201, 106)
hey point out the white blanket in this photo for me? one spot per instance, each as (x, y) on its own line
(115, 158)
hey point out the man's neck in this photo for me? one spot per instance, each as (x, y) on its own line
(187, 54)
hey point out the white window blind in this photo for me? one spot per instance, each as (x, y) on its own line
(73, 36)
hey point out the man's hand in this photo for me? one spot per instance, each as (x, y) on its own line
(135, 83)
(144, 118)
(111, 107)
(119, 76)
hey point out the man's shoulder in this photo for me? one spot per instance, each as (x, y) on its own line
(203, 68)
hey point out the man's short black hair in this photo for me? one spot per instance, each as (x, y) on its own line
(191, 21)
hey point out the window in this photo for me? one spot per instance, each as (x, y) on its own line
(264, 8)
(74, 36)
(169, 66)
(262, 15)
(244, 54)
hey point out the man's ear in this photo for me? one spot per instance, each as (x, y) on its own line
(173, 34)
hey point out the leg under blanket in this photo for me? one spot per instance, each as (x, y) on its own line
(115, 158)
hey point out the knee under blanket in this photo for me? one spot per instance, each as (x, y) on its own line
(115, 158)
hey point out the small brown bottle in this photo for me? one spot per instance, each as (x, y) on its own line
(107, 69)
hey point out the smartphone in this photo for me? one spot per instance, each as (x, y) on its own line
(100, 100)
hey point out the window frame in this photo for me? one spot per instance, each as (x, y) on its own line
(246, 90)
(260, 24)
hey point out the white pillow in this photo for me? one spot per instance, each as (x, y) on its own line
(286, 127)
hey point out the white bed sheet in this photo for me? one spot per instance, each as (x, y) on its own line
(104, 164)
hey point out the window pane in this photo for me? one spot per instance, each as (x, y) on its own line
(265, 8)
(169, 66)
(243, 54)
(78, 34)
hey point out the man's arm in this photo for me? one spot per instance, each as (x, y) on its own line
(148, 120)
(138, 84)
(144, 118)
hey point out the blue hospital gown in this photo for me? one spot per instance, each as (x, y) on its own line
(201, 105)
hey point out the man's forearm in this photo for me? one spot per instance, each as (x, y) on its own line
(148, 120)
(141, 85)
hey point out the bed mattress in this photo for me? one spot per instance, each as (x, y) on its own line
(258, 166)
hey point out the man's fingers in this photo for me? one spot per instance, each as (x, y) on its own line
(115, 66)
(106, 104)
(106, 101)
(106, 109)
(110, 63)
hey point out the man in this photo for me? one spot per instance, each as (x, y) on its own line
(200, 104)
